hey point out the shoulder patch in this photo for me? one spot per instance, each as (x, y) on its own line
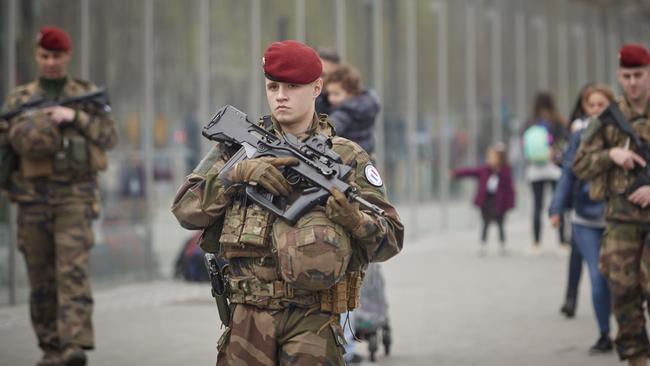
(372, 176)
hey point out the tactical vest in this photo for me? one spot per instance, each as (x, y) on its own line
(314, 260)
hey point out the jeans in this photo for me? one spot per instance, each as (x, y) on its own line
(587, 240)
(575, 270)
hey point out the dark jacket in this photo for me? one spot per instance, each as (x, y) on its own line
(355, 117)
(504, 198)
(572, 192)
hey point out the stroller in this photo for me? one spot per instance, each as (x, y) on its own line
(372, 316)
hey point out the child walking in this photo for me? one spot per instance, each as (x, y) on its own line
(495, 194)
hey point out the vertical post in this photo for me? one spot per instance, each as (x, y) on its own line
(612, 49)
(443, 120)
(539, 23)
(84, 48)
(256, 60)
(146, 134)
(581, 57)
(301, 15)
(378, 78)
(340, 28)
(496, 74)
(411, 113)
(599, 45)
(204, 67)
(520, 66)
(563, 66)
(470, 82)
(12, 14)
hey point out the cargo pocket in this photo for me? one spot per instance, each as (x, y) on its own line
(314, 254)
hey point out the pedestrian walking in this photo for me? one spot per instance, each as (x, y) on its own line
(288, 284)
(587, 215)
(608, 157)
(543, 141)
(60, 150)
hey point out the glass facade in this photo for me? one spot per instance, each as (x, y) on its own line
(453, 76)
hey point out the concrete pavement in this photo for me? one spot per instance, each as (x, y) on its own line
(448, 307)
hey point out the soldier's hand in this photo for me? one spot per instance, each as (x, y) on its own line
(343, 212)
(641, 196)
(555, 220)
(264, 171)
(59, 114)
(625, 158)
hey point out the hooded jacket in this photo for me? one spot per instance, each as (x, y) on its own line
(354, 119)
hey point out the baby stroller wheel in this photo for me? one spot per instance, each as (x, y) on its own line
(386, 339)
(372, 345)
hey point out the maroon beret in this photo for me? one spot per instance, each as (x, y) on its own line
(633, 55)
(54, 39)
(291, 62)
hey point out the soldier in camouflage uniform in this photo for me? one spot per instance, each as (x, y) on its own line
(288, 284)
(60, 150)
(606, 159)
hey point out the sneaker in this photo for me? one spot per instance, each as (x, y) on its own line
(603, 345)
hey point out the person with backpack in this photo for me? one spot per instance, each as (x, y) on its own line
(495, 194)
(587, 215)
(543, 140)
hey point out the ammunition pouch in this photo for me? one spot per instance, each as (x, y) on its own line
(344, 296)
(245, 231)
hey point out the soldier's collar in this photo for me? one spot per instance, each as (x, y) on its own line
(319, 125)
(52, 88)
(633, 113)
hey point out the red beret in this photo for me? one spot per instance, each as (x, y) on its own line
(54, 39)
(291, 62)
(633, 55)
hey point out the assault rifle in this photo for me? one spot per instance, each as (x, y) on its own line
(216, 270)
(318, 165)
(613, 115)
(97, 98)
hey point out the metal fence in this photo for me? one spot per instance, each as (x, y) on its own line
(453, 76)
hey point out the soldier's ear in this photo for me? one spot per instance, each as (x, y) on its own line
(318, 87)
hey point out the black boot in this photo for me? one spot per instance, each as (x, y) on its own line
(603, 345)
(569, 307)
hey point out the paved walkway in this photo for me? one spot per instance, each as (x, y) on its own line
(448, 307)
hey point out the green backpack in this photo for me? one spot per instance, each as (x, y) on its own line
(537, 147)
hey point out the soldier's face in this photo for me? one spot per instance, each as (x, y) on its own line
(635, 82)
(292, 103)
(52, 64)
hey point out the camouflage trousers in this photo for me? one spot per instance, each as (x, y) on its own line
(625, 262)
(55, 241)
(292, 336)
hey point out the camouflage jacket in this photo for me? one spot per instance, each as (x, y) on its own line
(202, 202)
(57, 164)
(607, 180)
